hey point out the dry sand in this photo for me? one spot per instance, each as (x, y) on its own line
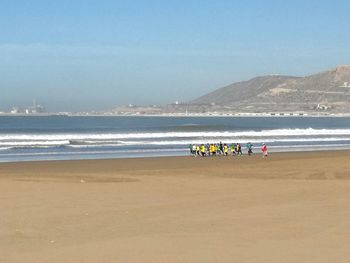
(291, 207)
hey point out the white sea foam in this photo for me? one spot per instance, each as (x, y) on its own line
(172, 139)
(169, 141)
(216, 134)
(225, 140)
(34, 143)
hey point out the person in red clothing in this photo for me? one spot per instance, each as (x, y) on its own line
(264, 150)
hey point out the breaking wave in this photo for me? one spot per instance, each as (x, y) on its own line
(171, 139)
(158, 135)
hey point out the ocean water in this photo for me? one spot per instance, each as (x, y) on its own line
(62, 137)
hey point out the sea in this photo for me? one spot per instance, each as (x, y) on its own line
(28, 138)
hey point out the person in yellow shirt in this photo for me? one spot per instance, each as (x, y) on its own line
(213, 149)
(203, 150)
(225, 149)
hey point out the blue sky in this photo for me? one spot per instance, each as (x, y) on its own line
(84, 55)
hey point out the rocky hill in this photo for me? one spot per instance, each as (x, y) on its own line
(325, 91)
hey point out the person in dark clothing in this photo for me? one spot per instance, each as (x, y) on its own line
(221, 148)
(239, 149)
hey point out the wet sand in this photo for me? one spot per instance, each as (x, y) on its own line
(290, 207)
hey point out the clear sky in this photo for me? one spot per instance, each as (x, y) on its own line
(84, 55)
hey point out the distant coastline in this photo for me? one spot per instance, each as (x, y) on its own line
(241, 114)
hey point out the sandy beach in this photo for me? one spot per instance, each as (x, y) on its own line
(290, 207)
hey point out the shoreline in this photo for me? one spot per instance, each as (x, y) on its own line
(199, 115)
(185, 154)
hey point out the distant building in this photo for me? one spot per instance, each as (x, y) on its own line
(15, 110)
(34, 109)
(345, 85)
(323, 107)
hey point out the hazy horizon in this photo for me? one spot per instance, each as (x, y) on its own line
(91, 55)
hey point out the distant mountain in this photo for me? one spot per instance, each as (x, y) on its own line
(325, 91)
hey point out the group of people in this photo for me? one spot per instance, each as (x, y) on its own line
(223, 149)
